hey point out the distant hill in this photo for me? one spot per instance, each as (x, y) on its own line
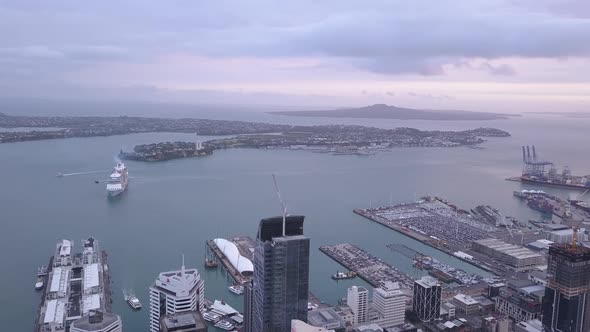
(382, 111)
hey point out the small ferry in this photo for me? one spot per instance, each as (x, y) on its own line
(344, 275)
(132, 300)
(39, 284)
(236, 289)
(224, 325)
(59, 175)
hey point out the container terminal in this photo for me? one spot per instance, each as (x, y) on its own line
(78, 285)
(538, 171)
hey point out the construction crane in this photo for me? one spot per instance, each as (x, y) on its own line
(575, 237)
(283, 205)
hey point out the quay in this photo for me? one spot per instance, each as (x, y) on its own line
(236, 275)
(437, 223)
(370, 268)
(77, 283)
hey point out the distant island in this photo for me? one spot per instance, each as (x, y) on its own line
(383, 111)
(334, 139)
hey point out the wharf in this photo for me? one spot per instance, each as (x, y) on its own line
(76, 283)
(38, 322)
(231, 270)
(453, 228)
(370, 268)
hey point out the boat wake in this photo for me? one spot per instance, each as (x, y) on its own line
(81, 173)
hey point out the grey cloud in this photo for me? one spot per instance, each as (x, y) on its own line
(382, 36)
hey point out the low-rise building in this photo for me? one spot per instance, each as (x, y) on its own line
(517, 257)
(300, 326)
(326, 318)
(447, 310)
(190, 321)
(345, 312)
(496, 324)
(97, 321)
(520, 300)
(466, 304)
(534, 325)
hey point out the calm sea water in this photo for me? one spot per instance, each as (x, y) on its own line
(171, 208)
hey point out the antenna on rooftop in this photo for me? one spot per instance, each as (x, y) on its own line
(274, 178)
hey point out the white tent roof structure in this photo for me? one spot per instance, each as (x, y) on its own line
(239, 262)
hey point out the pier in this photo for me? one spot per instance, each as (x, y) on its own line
(76, 284)
(370, 268)
(229, 268)
(437, 223)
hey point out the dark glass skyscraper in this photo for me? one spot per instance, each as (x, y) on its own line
(565, 304)
(427, 297)
(281, 276)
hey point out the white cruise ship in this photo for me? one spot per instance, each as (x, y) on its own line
(117, 183)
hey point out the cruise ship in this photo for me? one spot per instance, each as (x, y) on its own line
(117, 183)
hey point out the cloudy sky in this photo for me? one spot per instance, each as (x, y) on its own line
(496, 55)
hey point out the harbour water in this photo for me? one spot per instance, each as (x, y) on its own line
(172, 208)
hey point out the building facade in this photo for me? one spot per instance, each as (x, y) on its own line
(427, 297)
(466, 304)
(281, 275)
(248, 305)
(566, 306)
(390, 303)
(358, 300)
(520, 300)
(174, 292)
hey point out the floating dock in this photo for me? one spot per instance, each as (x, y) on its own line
(370, 268)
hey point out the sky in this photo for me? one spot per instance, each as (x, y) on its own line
(481, 55)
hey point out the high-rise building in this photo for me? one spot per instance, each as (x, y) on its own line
(390, 303)
(358, 300)
(281, 275)
(427, 296)
(248, 306)
(97, 321)
(566, 306)
(174, 292)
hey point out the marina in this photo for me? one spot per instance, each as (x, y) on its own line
(443, 272)
(370, 268)
(78, 284)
